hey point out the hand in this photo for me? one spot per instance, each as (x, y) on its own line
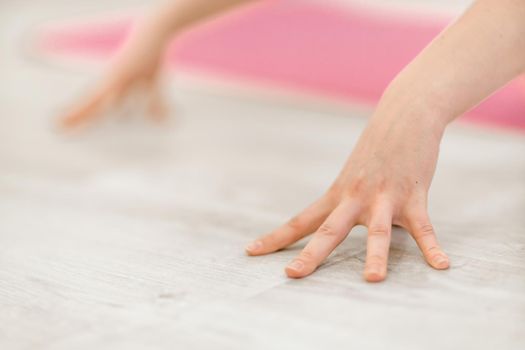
(136, 69)
(384, 182)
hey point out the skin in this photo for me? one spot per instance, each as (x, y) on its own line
(386, 179)
(137, 66)
(387, 176)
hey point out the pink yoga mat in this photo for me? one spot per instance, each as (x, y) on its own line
(350, 53)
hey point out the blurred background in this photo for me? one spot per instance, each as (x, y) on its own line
(129, 233)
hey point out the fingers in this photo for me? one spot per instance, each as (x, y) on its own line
(85, 112)
(378, 243)
(95, 105)
(329, 235)
(113, 95)
(300, 226)
(423, 232)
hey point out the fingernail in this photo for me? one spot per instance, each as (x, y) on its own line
(441, 261)
(296, 265)
(254, 246)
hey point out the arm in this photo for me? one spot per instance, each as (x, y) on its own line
(386, 178)
(138, 64)
(471, 59)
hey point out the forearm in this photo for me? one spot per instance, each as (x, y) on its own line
(476, 55)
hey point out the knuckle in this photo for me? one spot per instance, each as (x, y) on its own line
(297, 223)
(424, 230)
(306, 255)
(326, 230)
(382, 185)
(333, 194)
(379, 230)
(357, 184)
(271, 238)
(375, 259)
(433, 249)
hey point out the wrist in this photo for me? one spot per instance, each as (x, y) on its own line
(412, 108)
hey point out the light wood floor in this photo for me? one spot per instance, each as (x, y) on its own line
(131, 236)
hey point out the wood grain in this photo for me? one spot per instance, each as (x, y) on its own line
(131, 236)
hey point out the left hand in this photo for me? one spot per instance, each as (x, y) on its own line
(136, 70)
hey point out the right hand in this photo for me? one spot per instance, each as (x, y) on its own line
(136, 69)
(385, 182)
